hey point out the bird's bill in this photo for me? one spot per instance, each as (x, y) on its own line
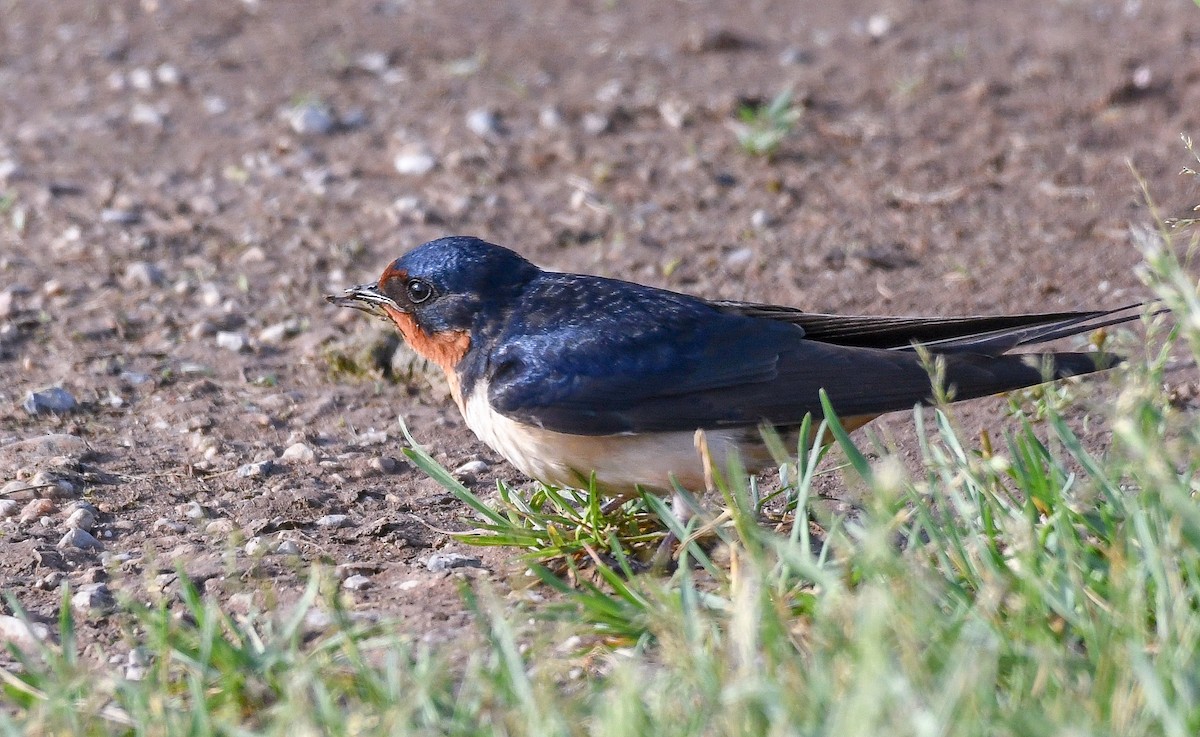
(364, 297)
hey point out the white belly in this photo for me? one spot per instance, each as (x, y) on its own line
(620, 462)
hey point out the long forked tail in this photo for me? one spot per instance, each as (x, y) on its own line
(985, 334)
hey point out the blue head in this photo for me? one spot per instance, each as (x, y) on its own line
(446, 283)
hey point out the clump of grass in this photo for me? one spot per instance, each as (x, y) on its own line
(760, 129)
(1187, 171)
(554, 527)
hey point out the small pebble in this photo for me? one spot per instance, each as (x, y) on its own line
(471, 470)
(117, 216)
(143, 274)
(24, 635)
(210, 294)
(595, 123)
(85, 506)
(255, 470)
(253, 255)
(50, 581)
(279, 332)
(162, 523)
(54, 399)
(375, 62)
(414, 162)
(761, 220)
(674, 113)
(8, 303)
(794, 56)
(371, 437)
(610, 91)
(1142, 77)
(550, 118)
(202, 329)
(35, 510)
(232, 341)
(334, 520)
(878, 26)
(384, 464)
(738, 258)
(80, 539)
(96, 574)
(192, 510)
(446, 561)
(312, 119)
(299, 452)
(9, 169)
(168, 75)
(49, 484)
(141, 79)
(221, 526)
(147, 115)
(483, 123)
(137, 664)
(357, 582)
(92, 598)
(411, 207)
(81, 519)
(287, 547)
(8, 508)
(255, 546)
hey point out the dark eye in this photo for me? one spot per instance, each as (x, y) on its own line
(419, 291)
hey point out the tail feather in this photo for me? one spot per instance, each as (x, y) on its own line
(992, 334)
(969, 375)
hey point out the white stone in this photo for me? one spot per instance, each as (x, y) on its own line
(299, 452)
(878, 26)
(232, 341)
(24, 635)
(312, 119)
(334, 520)
(483, 123)
(81, 539)
(81, 519)
(357, 582)
(414, 161)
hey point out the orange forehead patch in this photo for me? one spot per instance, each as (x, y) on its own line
(391, 272)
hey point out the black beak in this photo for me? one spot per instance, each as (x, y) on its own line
(365, 297)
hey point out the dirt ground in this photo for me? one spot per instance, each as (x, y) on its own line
(182, 180)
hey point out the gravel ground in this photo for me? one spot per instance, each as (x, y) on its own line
(180, 182)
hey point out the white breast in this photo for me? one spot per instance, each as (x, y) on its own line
(620, 462)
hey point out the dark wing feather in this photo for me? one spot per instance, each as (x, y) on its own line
(975, 333)
(642, 360)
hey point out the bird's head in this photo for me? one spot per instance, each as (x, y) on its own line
(449, 285)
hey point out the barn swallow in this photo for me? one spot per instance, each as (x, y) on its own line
(569, 375)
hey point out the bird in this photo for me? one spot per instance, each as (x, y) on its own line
(587, 381)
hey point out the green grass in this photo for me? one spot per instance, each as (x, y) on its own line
(760, 129)
(1026, 585)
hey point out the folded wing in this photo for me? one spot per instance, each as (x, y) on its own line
(664, 362)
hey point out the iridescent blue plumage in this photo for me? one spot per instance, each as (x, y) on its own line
(586, 355)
